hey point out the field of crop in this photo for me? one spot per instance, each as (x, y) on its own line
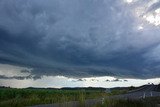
(26, 97)
(11, 97)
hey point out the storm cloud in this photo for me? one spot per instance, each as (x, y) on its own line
(81, 38)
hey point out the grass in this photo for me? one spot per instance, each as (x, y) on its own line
(10, 97)
(27, 97)
(117, 92)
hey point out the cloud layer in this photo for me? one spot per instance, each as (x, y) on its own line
(81, 38)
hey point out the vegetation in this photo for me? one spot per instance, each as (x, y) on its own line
(117, 92)
(10, 97)
(27, 97)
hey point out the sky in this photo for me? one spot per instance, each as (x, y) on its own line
(79, 43)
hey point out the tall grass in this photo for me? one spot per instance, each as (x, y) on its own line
(27, 97)
(82, 98)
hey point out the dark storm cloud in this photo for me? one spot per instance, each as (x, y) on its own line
(76, 38)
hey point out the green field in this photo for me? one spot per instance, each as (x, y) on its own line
(26, 97)
(10, 97)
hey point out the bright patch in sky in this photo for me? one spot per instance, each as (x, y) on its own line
(61, 81)
(153, 18)
(129, 1)
(140, 27)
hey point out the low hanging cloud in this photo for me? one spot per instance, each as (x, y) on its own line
(20, 77)
(81, 38)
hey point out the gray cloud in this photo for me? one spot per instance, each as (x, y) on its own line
(20, 77)
(116, 80)
(77, 38)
